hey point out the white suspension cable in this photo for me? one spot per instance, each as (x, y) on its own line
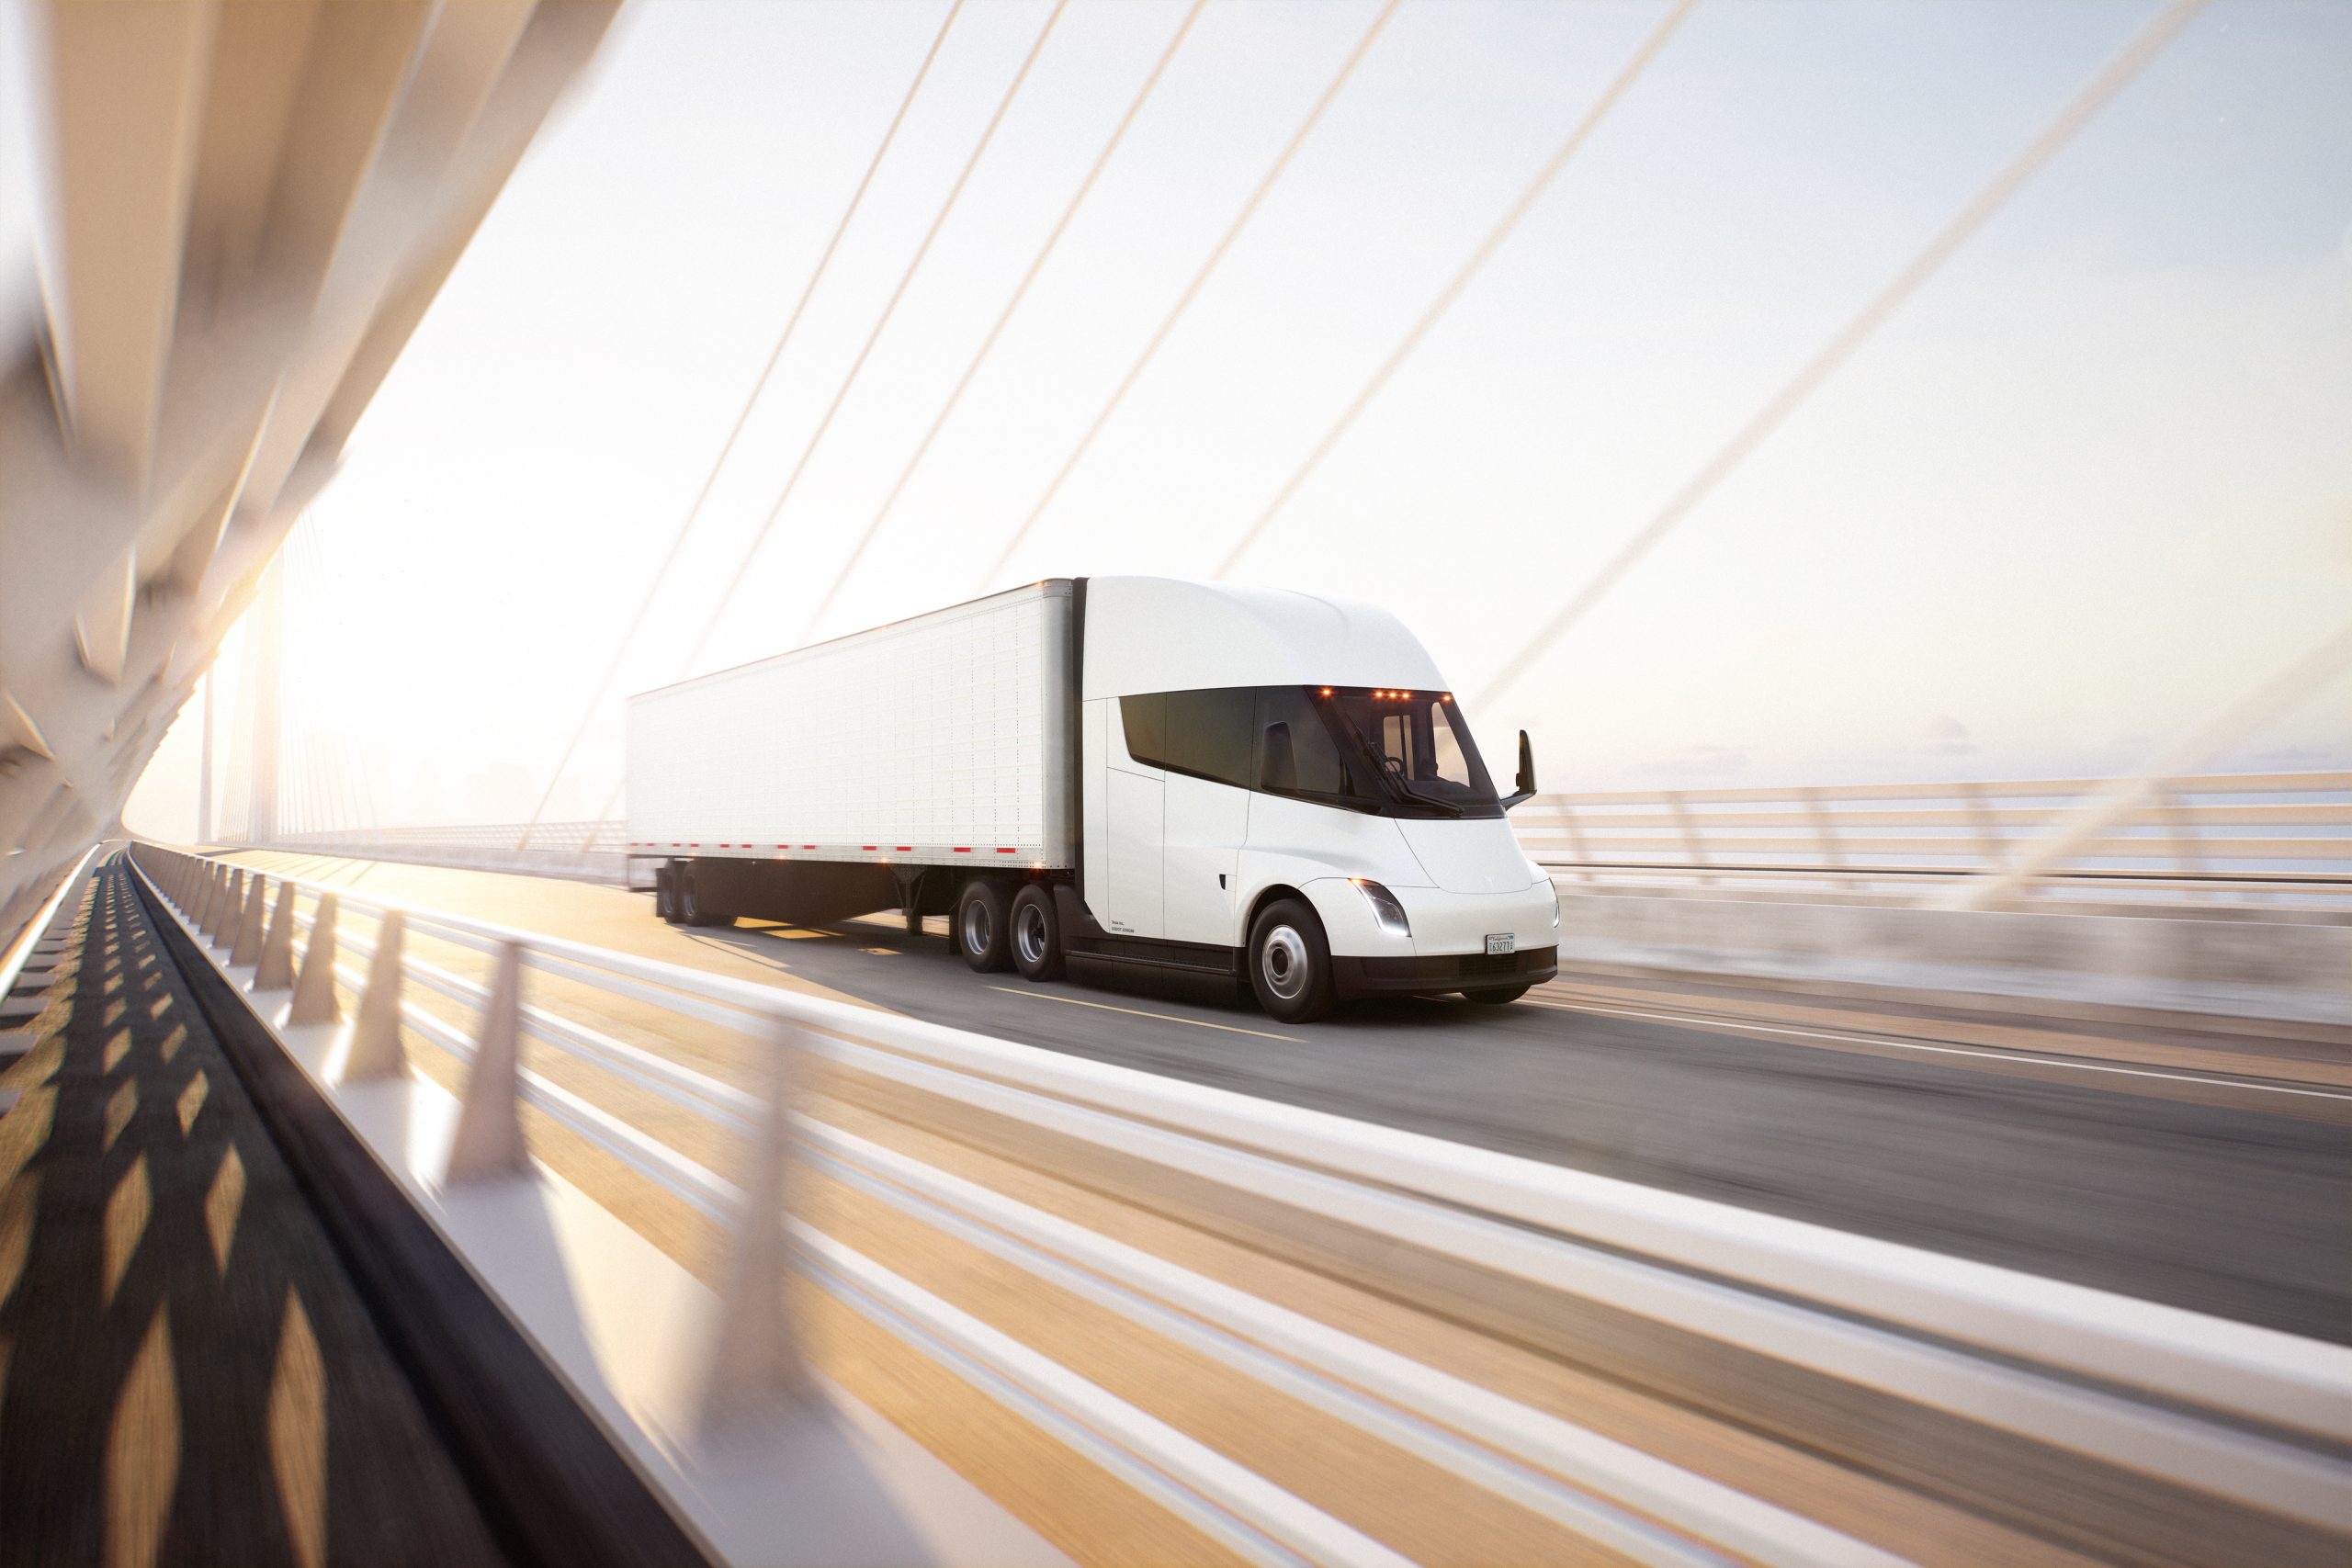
(841, 394)
(759, 388)
(1013, 304)
(1183, 301)
(1575, 139)
(1865, 323)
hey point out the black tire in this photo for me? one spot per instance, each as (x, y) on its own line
(1495, 995)
(982, 930)
(691, 912)
(1290, 963)
(1037, 934)
(665, 894)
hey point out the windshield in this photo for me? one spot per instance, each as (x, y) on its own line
(1388, 751)
(1420, 743)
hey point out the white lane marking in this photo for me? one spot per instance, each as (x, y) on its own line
(1138, 1013)
(2214, 1080)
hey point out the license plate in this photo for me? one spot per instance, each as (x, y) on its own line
(1497, 946)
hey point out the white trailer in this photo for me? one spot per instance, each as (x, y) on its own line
(1274, 788)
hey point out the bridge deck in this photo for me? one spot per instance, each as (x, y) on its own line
(187, 1375)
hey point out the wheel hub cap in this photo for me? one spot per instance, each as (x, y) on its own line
(1284, 961)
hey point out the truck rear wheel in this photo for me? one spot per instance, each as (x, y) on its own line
(691, 911)
(1037, 934)
(980, 927)
(665, 894)
(1290, 963)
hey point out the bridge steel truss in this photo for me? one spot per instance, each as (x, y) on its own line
(254, 206)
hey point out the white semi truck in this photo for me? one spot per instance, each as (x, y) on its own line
(1271, 788)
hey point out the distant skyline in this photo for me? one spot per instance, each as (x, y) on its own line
(2091, 484)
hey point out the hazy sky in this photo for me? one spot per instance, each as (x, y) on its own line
(2091, 484)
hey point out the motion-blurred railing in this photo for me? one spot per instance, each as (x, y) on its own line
(2279, 840)
(574, 849)
(2255, 1416)
(2267, 838)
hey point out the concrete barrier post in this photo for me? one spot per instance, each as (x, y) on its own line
(489, 1143)
(756, 1366)
(314, 998)
(276, 971)
(376, 1050)
(230, 906)
(208, 888)
(246, 946)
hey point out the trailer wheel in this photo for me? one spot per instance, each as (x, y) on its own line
(691, 910)
(980, 934)
(1290, 963)
(1037, 934)
(665, 894)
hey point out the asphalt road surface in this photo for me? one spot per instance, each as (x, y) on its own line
(2224, 1209)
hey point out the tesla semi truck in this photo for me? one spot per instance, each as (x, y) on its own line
(1274, 788)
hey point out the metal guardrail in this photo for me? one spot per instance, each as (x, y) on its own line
(2283, 839)
(2220, 1408)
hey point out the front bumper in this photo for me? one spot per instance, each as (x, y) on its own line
(1443, 972)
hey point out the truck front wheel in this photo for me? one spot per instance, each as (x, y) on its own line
(1290, 963)
(1037, 934)
(980, 922)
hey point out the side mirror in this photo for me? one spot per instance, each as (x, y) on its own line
(1524, 790)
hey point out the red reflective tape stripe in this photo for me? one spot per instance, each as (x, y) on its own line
(906, 849)
(807, 846)
(963, 849)
(869, 848)
(1002, 851)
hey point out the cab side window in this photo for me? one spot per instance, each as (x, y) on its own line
(1204, 733)
(1145, 718)
(1295, 752)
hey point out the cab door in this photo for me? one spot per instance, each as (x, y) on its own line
(1208, 748)
(1125, 834)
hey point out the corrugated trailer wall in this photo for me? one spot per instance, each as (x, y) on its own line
(939, 741)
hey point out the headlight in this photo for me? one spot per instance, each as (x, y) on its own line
(1386, 913)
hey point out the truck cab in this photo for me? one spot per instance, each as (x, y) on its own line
(1281, 786)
